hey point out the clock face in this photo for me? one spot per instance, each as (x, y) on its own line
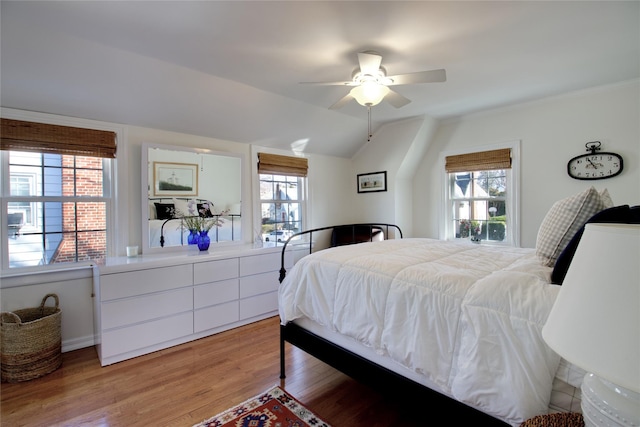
(595, 166)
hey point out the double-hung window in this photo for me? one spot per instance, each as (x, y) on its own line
(282, 196)
(56, 205)
(481, 197)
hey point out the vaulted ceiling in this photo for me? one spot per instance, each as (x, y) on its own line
(231, 69)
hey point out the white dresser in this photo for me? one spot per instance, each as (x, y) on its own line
(148, 303)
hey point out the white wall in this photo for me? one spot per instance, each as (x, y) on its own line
(551, 132)
(329, 190)
(396, 148)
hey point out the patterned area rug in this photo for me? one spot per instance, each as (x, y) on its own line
(273, 408)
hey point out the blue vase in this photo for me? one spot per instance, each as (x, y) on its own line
(193, 237)
(204, 241)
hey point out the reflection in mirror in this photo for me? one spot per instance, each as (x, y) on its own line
(183, 186)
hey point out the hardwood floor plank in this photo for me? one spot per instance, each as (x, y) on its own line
(187, 384)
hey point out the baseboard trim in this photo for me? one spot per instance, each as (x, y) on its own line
(78, 343)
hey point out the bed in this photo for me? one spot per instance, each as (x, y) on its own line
(457, 322)
(166, 229)
(175, 235)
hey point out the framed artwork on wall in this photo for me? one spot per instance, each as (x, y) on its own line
(175, 179)
(372, 182)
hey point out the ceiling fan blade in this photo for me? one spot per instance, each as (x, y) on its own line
(344, 83)
(395, 99)
(342, 102)
(369, 62)
(432, 76)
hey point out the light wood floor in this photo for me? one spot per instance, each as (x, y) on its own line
(186, 384)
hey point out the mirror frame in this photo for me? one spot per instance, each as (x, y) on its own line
(145, 186)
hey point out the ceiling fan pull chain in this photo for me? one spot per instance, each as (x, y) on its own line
(369, 127)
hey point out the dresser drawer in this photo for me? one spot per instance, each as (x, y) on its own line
(260, 264)
(123, 285)
(139, 309)
(118, 341)
(258, 284)
(261, 304)
(218, 315)
(215, 293)
(211, 271)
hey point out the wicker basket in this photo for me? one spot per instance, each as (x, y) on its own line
(30, 342)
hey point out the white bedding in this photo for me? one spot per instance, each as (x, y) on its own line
(467, 317)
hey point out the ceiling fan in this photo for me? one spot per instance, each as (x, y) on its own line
(371, 83)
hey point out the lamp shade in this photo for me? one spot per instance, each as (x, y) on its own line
(369, 94)
(595, 321)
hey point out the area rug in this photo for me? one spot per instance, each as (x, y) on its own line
(273, 408)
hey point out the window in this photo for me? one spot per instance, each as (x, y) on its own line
(480, 197)
(280, 205)
(282, 195)
(57, 203)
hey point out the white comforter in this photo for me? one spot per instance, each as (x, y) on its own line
(469, 317)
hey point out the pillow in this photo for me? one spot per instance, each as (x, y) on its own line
(563, 220)
(152, 210)
(181, 207)
(205, 212)
(351, 234)
(606, 198)
(235, 209)
(165, 210)
(617, 214)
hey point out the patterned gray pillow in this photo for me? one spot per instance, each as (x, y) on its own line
(563, 220)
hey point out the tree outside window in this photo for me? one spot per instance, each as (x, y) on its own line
(479, 204)
(280, 201)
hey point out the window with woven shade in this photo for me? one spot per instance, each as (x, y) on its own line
(282, 196)
(480, 196)
(56, 206)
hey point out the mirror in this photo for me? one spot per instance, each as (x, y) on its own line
(183, 181)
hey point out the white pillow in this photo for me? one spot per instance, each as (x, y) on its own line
(235, 208)
(563, 220)
(606, 199)
(182, 207)
(152, 210)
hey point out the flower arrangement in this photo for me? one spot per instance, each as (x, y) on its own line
(201, 218)
(469, 228)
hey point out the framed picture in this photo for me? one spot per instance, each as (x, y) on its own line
(175, 179)
(372, 182)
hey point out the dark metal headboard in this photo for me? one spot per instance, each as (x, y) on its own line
(373, 228)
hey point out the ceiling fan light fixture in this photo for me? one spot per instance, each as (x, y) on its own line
(369, 94)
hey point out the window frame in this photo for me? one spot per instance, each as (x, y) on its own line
(113, 207)
(512, 200)
(257, 205)
(301, 201)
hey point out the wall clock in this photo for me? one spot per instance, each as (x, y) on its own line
(595, 165)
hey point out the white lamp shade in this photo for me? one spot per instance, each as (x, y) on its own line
(595, 321)
(369, 94)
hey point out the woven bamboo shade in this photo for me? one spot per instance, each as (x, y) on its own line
(19, 135)
(480, 161)
(282, 165)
